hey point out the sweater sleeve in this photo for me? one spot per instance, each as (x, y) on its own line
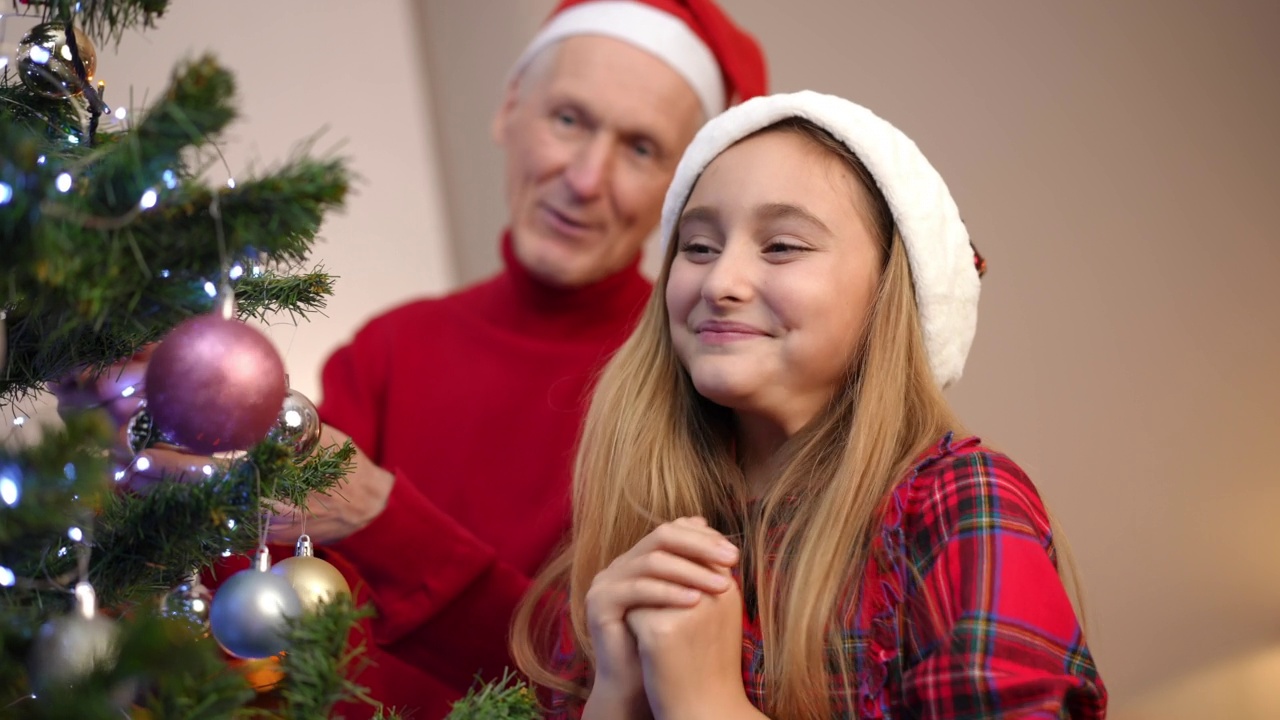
(994, 632)
(443, 599)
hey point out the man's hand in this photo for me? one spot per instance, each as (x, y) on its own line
(118, 389)
(346, 509)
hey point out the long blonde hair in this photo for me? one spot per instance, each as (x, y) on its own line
(653, 450)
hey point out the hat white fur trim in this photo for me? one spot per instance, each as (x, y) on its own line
(658, 33)
(937, 243)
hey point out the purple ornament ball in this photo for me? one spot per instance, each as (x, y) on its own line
(215, 385)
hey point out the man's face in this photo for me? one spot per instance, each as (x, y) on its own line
(593, 131)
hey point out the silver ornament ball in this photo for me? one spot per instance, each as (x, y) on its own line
(190, 603)
(298, 424)
(69, 648)
(249, 613)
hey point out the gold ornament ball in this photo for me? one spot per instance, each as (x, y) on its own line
(313, 579)
(44, 60)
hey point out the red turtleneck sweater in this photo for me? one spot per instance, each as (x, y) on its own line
(474, 401)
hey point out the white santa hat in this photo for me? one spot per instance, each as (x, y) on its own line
(944, 266)
(717, 58)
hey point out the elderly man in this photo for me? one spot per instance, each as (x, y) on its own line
(466, 408)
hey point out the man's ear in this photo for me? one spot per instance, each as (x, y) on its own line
(498, 128)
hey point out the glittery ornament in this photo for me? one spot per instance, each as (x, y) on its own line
(215, 385)
(44, 60)
(141, 431)
(298, 424)
(315, 580)
(189, 603)
(68, 648)
(249, 612)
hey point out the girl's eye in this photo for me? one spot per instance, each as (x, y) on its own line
(696, 249)
(781, 246)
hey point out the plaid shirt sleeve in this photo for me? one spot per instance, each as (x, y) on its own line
(990, 630)
(569, 665)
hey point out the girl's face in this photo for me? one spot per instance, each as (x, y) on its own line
(774, 272)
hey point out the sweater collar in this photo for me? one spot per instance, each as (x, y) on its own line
(598, 311)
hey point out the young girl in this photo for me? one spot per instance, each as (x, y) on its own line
(776, 513)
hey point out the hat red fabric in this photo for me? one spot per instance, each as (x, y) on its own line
(721, 62)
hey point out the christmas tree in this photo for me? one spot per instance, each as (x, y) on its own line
(116, 242)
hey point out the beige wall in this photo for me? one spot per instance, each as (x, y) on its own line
(1117, 164)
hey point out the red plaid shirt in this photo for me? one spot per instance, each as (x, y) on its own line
(963, 616)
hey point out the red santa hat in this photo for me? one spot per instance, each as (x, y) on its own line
(944, 265)
(721, 62)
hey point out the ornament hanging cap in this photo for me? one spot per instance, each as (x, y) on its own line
(944, 265)
(86, 600)
(720, 61)
(262, 559)
(304, 548)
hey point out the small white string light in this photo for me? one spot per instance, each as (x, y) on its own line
(143, 463)
(20, 420)
(7, 578)
(6, 193)
(120, 113)
(236, 271)
(63, 182)
(76, 534)
(170, 179)
(231, 183)
(164, 273)
(210, 289)
(148, 199)
(40, 160)
(10, 492)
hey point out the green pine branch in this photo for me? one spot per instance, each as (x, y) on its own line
(507, 698)
(104, 247)
(40, 116)
(101, 19)
(270, 293)
(91, 275)
(321, 669)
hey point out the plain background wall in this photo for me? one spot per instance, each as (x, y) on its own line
(1116, 162)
